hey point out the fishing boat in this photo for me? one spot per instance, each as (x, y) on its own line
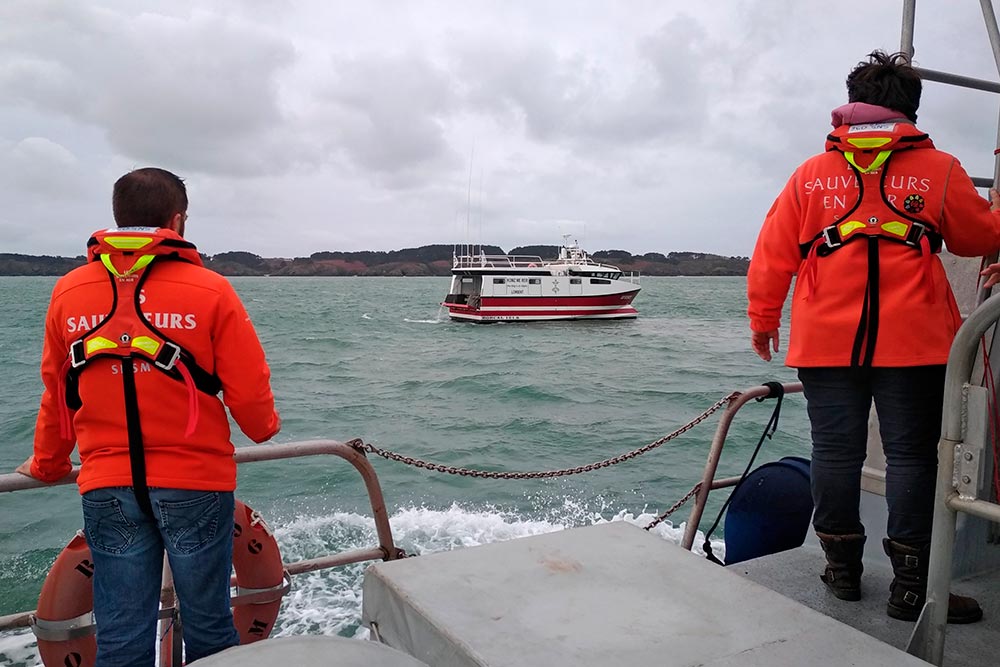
(493, 288)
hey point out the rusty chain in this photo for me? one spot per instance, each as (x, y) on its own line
(362, 446)
(676, 506)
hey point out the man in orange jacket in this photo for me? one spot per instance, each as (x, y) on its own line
(138, 344)
(873, 315)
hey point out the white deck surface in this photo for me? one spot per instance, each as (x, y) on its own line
(610, 594)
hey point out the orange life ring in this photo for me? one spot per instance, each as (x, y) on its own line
(260, 575)
(63, 624)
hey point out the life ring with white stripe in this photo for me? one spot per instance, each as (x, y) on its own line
(261, 580)
(64, 626)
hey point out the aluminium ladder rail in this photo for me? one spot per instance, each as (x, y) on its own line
(952, 494)
(906, 46)
(956, 483)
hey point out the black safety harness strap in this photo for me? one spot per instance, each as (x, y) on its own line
(136, 455)
(867, 333)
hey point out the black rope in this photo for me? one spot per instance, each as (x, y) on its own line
(777, 390)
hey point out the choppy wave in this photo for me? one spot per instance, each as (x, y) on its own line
(378, 359)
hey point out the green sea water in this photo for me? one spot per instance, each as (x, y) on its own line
(377, 359)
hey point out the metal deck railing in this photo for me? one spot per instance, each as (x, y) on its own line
(708, 481)
(386, 549)
(496, 262)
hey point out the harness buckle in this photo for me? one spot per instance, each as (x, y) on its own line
(168, 356)
(917, 231)
(77, 354)
(828, 238)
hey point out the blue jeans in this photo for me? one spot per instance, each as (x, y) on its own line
(196, 530)
(908, 402)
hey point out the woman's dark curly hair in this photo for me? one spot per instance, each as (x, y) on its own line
(888, 81)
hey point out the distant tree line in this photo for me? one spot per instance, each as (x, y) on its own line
(429, 260)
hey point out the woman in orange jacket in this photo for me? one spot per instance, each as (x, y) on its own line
(138, 344)
(873, 315)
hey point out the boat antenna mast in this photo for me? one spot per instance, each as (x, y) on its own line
(468, 202)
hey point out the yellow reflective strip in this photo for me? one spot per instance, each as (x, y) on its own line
(876, 163)
(100, 343)
(869, 142)
(896, 228)
(846, 228)
(146, 344)
(128, 242)
(106, 261)
(140, 264)
(879, 160)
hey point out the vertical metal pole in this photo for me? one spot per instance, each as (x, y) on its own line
(906, 39)
(990, 18)
(170, 641)
(927, 640)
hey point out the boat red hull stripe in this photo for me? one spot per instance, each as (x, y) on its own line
(486, 314)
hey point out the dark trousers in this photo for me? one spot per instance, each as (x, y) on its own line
(908, 402)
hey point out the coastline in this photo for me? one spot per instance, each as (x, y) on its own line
(435, 260)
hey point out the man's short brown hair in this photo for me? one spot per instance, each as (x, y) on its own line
(148, 197)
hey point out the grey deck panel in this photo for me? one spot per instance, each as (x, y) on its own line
(610, 594)
(795, 574)
(311, 651)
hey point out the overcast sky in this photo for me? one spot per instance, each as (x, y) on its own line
(641, 125)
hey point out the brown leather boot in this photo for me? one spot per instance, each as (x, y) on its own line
(843, 564)
(909, 587)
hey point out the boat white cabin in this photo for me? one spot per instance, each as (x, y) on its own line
(489, 288)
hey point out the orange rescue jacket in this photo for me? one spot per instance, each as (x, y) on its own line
(859, 225)
(185, 433)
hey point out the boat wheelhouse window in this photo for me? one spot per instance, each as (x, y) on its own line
(575, 281)
(534, 281)
(498, 281)
(599, 281)
(466, 280)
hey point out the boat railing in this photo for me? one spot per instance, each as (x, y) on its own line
(496, 262)
(961, 464)
(708, 481)
(630, 277)
(386, 549)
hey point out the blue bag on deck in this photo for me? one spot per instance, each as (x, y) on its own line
(770, 511)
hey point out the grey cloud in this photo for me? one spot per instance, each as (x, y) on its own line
(577, 99)
(198, 92)
(387, 114)
(312, 125)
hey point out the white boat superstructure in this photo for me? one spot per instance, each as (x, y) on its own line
(489, 288)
